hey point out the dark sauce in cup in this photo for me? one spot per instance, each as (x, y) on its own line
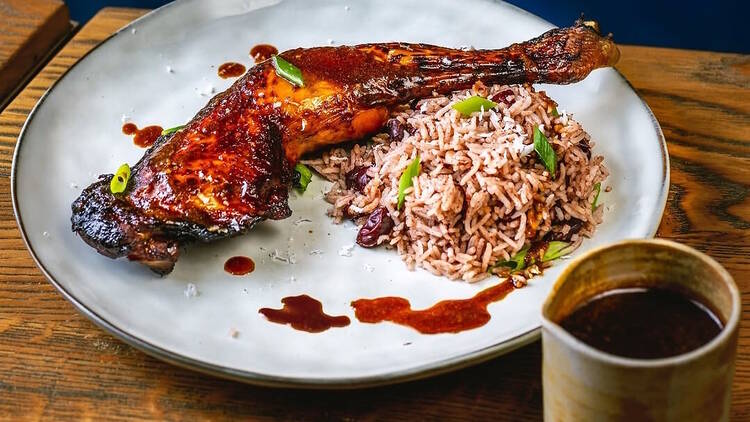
(643, 323)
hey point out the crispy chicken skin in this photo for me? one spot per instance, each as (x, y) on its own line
(231, 165)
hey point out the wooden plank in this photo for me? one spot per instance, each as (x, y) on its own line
(29, 31)
(57, 365)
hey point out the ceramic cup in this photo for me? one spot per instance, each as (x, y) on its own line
(584, 384)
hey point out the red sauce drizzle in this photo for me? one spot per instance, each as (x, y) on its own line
(143, 137)
(231, 70)
(262, 52)
(239, 265)
(305, 314)
(447, 316)
(129, 128)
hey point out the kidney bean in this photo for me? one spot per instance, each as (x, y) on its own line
(357, 178)
(585, 147)
(377, 224)
(395, 129)
(502, 97)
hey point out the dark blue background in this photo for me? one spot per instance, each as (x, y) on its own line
(694, 24)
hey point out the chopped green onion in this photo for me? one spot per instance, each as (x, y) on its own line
(305, 175)
(171, 130)
(120, 179)
(473, 104)
(545, 151)
(405, 182)
(287, 71)
(554, 112)
(516, 262)
(598, 189)
(555, 250)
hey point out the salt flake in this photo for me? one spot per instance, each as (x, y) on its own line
(191, 290)
(346, 250)
(289, 258)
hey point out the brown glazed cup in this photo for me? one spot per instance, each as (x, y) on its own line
(585, 384)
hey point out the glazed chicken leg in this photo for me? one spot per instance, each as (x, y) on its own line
(231, 165)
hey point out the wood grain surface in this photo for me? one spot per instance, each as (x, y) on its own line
(57, 365)
(29, 30)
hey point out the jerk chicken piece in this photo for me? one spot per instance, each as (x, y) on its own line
(231, 165)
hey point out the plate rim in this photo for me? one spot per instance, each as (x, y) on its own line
(409, 374)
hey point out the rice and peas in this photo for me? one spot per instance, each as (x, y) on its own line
(482, 200)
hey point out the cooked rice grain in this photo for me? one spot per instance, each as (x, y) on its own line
(483, 192)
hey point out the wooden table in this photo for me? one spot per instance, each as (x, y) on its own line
(29, 31)
(56, 364)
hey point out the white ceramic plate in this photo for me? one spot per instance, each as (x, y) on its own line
(74, 134)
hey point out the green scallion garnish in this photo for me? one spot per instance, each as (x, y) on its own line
(287, 71)
(545, 151)
(305, 175)
(516, 262)
(598, 189)
(473, 104)
(406, 180)
(171, 130)
(120, 180)
(555, 249)
(554, 112)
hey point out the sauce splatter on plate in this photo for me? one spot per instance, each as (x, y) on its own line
(447, 316)
(262, 52)
(145, 137)
(305, 314)
(231, 70)
(239, 265)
